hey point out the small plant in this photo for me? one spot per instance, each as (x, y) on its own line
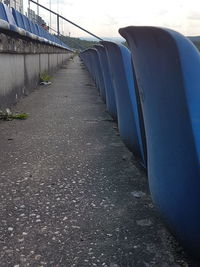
(45, 77)
(21, 116)
(7, 115)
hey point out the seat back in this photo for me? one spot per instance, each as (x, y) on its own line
(109, 96)
(167, 67)
(26, 23)
(33, 27)
(129, 120)
(98, 72)
(18, 19)
(3, 15)
(9, 15)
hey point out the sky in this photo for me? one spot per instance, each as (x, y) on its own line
(105, 17)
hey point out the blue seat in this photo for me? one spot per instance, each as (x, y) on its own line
(36, 31)
(87, 60)
(24, 23)
(12, 22)
(129, 118)
(27, 27)
(97, 71)
(58, 42)
(4, 25)
(109, 96)
(42, 33)
(167, 67)
(49, 37)
(10, 19)
(33, 30)
(18, 19)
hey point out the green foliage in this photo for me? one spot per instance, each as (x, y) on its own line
(77, 43)
(45, 77)
(7, 115)
(21, 116)
(197, 44)
(125, 44)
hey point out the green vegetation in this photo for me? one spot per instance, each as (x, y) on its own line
(125, 44)
(21, 116)
(77, 43)
(45, 77)
(7, 115)
(197, 44)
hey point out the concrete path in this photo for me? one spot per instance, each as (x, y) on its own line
(71, 193)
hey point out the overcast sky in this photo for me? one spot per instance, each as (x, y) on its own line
(105, 17)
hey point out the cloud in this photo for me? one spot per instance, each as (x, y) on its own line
(110, 21)
(194, 15)
(61, 2)
(66, 3)
(105, 17)
(162, 12)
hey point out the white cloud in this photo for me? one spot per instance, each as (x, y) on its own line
(194, 15)
(105, 17)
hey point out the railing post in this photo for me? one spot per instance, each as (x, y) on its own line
(58, 25)
(37, 7)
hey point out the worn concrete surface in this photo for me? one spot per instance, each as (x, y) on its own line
(70, 192)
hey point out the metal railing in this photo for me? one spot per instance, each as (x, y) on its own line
(61, 17)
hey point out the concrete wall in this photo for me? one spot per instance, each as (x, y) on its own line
(44, 63)
(20, 70)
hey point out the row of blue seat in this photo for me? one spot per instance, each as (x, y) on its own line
(111, 68)
(153, 91)
(14, 22)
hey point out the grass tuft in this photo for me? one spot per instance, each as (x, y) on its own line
(7, 115)
(45, 77)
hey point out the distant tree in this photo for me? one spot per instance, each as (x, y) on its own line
(77, 43)
(197, 44)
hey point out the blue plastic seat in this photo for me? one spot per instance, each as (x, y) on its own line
(12, 22)
(42, 33)
(90, 63)
(18, 19)
(167, 67)
(129, 118)
(4, 25)
(49, 37)
(23, 22)
(58, 42)
(10, 19)
(109, 96)
(87, 59)
(36, 31)
(97, 71)
(16, 22)
(33, 29)
(27, 27)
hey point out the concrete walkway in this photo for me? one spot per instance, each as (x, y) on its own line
(71, 194)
